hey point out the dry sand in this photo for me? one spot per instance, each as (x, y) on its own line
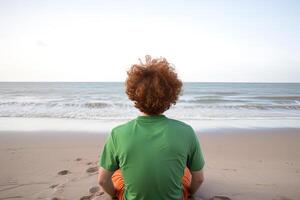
(240, 164)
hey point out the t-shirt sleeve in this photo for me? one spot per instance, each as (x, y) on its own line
(108, 158)
(195, 160)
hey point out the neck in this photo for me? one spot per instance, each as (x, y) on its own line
(145, 114)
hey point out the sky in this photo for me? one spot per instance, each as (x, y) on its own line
(206, 41)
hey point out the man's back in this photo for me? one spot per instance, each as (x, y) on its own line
(152, 153)
(149, 157)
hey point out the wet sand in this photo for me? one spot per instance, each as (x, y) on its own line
(240, 164)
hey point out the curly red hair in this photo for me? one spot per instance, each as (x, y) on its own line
(153, 86)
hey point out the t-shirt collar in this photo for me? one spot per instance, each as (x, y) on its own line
(151, 118)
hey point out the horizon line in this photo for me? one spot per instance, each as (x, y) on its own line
(124, 82)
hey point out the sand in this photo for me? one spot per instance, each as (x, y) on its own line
(240, 164)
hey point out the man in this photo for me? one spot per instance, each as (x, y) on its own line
(152, 157)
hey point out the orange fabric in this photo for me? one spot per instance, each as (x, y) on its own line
(118, 182)
(186, 183)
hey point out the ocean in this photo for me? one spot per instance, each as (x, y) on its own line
(108, 101)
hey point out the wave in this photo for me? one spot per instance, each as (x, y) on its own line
(181, 116)
(22, 103)
(248, 107)
(53, 104)
(191, 103)
(293, 98)
(96, 105)
(109, 101)
(225, 93)
(269, 107)
(212, 101)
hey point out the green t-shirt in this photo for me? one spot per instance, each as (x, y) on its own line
(152, 153)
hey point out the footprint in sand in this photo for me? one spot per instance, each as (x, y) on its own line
(284, 198)
(92, 170)
(56, 198)
(219, 198)
(59, 188)
(87, 197)
(95, 194)
(94, 189)
(53, 186)
(64, 172)
(78, 159)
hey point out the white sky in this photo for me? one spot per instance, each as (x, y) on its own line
(242, 41)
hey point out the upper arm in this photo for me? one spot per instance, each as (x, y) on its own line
(195, 161)
(104, 175)
(108, 157)
(197, 176)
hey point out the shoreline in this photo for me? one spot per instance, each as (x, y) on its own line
(240, 164)
(19, 124)
(103, 134)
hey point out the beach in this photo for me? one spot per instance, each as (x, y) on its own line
(74, 72)
(240, 164)
(51, 135)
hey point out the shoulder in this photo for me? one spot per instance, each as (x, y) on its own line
(181, 125)
(124, 127)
